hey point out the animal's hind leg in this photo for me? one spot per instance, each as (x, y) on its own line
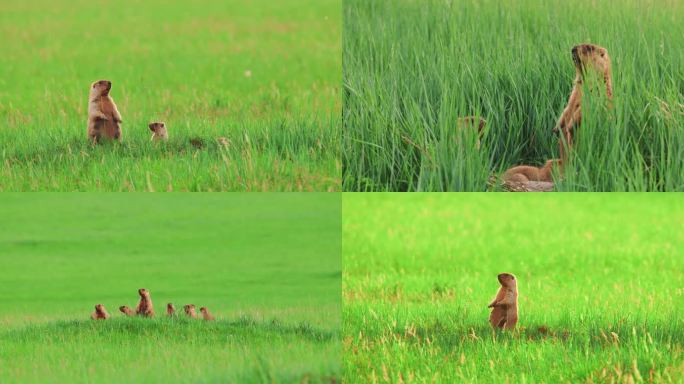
(498, 317)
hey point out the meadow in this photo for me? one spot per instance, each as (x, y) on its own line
(412, 68)
(599, 277)
(249, 92)
(266, 265)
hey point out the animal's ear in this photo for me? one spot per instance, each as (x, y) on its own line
(152, 127)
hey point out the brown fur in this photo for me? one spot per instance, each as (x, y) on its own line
(205, 314)
(144, 307)
(100, 313)
(472, 122)
(159, 132)
(505, 305)
(190, 310)
(127, 311)
(104, 120)
(170, 310)
(586, 57)
(525, 173)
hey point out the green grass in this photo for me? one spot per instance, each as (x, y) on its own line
(420, 270)
(411, 68)
(267, 266)
(182, 62)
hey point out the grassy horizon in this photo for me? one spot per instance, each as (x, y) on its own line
(598, 279)
(264, 76)
(410, 69)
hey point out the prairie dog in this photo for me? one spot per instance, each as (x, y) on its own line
(205, 314)
(586, 57)
(471, 122)
(159, 132)
(190, 310)
(170, 309)
(144, 307)
(100, 313)
(126, 310)
(104, 119)
(525, 173)
(505, 304)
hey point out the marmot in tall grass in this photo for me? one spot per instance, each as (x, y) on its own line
(126, 310)
(144, 307)
(190, 310)
(170, 310)
(505, 305)
(104, 120)
(100, 313)
(205, 314)
(159, 132)
(586, 57)
(525, 173)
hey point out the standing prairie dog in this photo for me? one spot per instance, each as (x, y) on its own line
(144, 307)
(505, 304)
(100, 313)
(586, 57)
(205, 314)
(170, 310)
(159, 132)
(126, 310)
(525, 173)
(104, 120)
(190, 310)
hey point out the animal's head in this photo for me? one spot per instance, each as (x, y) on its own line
(100, 88)
(189, 308)
(471, 122)
(507, 280)
(158, 131)
(143, 292)
(593, 57)
(124, 309)
(99, 308)
(554, 164)
(170, 306)
(203, 309)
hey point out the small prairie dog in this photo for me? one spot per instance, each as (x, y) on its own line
(100, 313)
(159, 132)
(126, 310)
(505, 304)
(144, 307)
(525, 173)
(471, 122)
(170, 309)
(190, 310)
(205, 314)
(104, 119)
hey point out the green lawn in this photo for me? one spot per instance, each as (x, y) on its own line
(263, 74)
(600, 281)
(411, 68)
(267, 266)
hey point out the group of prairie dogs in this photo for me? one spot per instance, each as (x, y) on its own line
(104, 119)
(586, 57)
(145, 309)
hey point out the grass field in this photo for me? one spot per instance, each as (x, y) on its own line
(267, 265)
(411, 68)
(264, 75)
(600, 281)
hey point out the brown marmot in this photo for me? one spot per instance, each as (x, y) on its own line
(525, 173)
(205, 314)
(159, 132)
(585, 56)
(170, 309)
(471, 122)
(104, 120)
(505, 305)
(144, 307)
(126, 311)
(190, 310)
(100, 313)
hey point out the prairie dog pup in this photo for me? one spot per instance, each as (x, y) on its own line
(505, 304)
(126, 311)
(525, 173)
(190, 310)
(159, 132)
(100, 313)
(471, 122)
(205, 314)
(104, 120)
(170, 309)
(144, 307)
